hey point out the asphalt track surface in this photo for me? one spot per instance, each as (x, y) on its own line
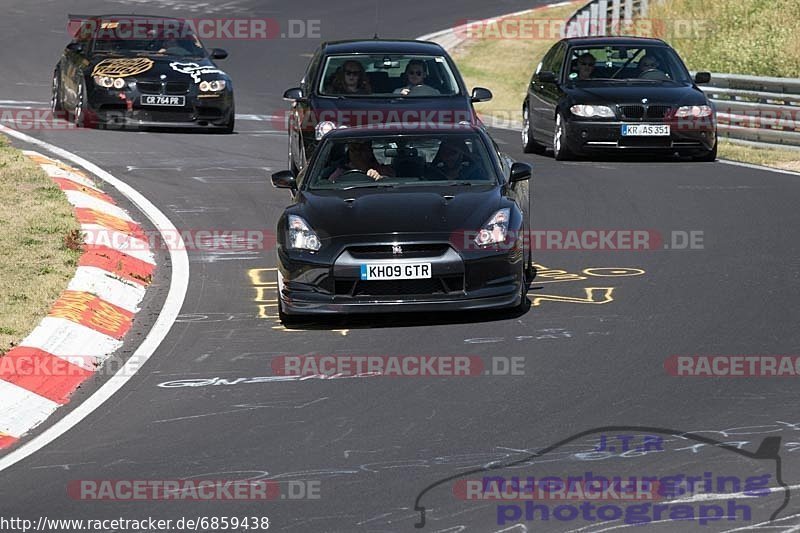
(593, 348)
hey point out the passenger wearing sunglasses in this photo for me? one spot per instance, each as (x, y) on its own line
(415, 80)
(351, 79)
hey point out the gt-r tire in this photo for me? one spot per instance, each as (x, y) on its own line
(529, 145)
(524, 303)
(56, 103)
(560, 150)
(708, 157)
(292, 166)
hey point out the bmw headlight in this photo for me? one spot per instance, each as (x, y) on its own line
(590, 111)
(693, 111)
(323, 128)
(213, 86)
(495, 230)
(301, 236)
(108, 82)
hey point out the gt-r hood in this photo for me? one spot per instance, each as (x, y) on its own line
(334, 214)
(175, 68)
(635, 91)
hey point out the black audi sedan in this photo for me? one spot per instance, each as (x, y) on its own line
(135, 71)
(617, 94)
(399, 218)
(361, 82)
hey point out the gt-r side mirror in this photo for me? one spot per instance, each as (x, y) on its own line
(218, 53)
(75, 47)
(479, 94)
(547, 76)
(520, 172)
(702, 77)
(284, 180)
(293, 94)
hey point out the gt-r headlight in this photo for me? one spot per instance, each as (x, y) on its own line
(301, 236)
(213, 86)
(590, 111)
(108, 83)
(323, 128)
(693, 111)
(495, 230)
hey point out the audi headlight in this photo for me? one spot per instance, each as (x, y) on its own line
(301, 236)
(323, 128)
(495, 230)
(693, 111)
(213, 86)
(590, 111)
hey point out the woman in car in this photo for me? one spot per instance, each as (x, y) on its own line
(351, 79)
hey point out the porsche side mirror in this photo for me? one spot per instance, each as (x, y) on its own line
(547, 76)
(520, 172)
(702, 77)
(293, 94)
(284, 180)
(218, 53)
(479, 94)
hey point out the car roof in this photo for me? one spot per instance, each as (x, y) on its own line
(611, 40)
(399, 128)
(382, 46)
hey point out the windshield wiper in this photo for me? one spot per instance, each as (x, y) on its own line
(369, 186)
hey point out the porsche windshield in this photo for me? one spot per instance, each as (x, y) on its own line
(396, 161)
(387, 75)
(656, 63)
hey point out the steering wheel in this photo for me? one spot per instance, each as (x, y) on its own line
(352, 173)
(653, 74)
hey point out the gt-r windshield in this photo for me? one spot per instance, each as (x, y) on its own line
(654, 63)
(401, 160)
(387, 75)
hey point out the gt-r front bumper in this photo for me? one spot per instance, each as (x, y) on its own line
(460, 280)
(114, 108)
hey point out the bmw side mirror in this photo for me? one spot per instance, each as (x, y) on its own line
(218, 53)
(520, 172)
(479, 94)
(293, 94)
(284, 180)
(702, 77)
(547, 76)
(75, 47)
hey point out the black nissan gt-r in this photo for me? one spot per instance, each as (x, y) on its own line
(404, 219)
(136, 71)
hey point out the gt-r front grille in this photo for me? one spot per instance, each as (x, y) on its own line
(639, 111)
(409, 287)
(387, 251)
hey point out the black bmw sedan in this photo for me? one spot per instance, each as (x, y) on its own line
(615, 94)
(136, 71)
(404, 219)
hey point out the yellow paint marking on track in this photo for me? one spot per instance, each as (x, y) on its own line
(594, 295)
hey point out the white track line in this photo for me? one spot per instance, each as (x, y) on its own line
(178, 286)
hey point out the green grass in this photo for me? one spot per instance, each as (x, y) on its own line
(35, 263)
(755, 37)
(771, 157)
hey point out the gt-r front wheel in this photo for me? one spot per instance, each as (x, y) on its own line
(560, 150)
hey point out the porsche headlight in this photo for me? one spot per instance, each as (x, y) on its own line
(590, 111)
(495, 230)
(213, 86)
(693, 111)
(301, 236)
(323, 128)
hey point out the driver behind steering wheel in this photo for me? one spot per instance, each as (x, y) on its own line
(360, 157)
(647, 63)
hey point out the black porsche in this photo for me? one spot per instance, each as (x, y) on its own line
(359, 82)
(404, 219)
(604, 94)
(127, 70)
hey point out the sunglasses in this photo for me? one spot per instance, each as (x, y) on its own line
(353, 72)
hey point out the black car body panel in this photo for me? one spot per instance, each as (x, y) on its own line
(313, 107)
(633, 101)
(160, 89)
(366, 225)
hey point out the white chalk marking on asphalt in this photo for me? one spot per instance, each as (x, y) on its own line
(179, 284)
